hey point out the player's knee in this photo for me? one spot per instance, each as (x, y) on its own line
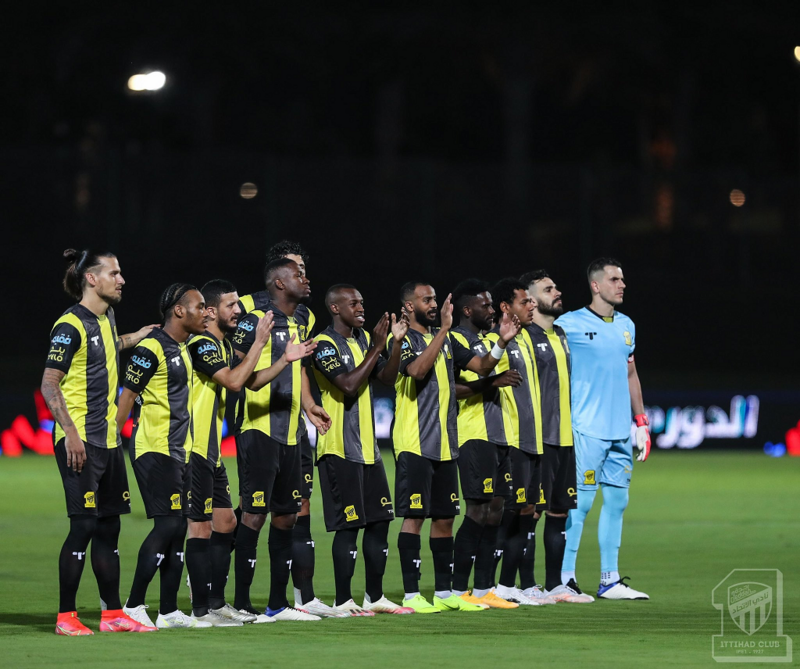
(494, 515)
(108, 528)
(167, 528)
(477, 511)
(199, 529)
(223, 521)
(82, 529)
(255, 521)
(305, 507)
(616, 499)
(284, 521)
(442, 527)
(528, 510)
(412, 525)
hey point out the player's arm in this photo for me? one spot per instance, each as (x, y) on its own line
(639, 416)
(292, 353)
(130, 340)
(142, 365)
(419, 368)
(125, 406)
(465, 389)
(316, 414)
(351, 382)
(235, 379)
(388, 372)
(509, 328)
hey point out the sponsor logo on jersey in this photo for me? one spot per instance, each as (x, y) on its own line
(588, 477)
(487, 485)
(89, 501)
(350, 513)
(246, 326)
(416, 501)
(208, 507)
(62, 339)
(207, 348)
(325, 352)
(258, 498)
(142, 362)
(175, 502)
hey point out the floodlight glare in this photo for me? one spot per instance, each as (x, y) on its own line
(152, 81)
(797, 53)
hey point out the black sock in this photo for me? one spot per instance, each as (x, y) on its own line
(72, 558)
(171, 570)
(509, 518)
(303, 558)
(555, 541)
(105, 560)
(220, 551)
(245, 565)
(442, 549)
(375, 545)
(345, 551)
(238, 513)
(280, 558)
(485, 558)
(526, 577)
(516, 534)
(409, 547)
(465, 552)
(152, 554)
(198, 564)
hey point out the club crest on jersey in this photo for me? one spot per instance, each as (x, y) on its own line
(258, 498)
(521, 498)
(416, 501)
(89, 501)
(628, 338)
(350, 513)
(487, 485)
(208, 507)
(588, 477)
(175, 502)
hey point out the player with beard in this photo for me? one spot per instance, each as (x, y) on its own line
(425, 436)
(268, 453)
(554, 484)
(484, 461)
(80, 384)
(605, 393)
(159, 380)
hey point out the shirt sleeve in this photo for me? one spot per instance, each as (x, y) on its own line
(65, 341)
(141, 368)
(245, 333)
(328, 361)
(408, 355)
(207, 357)
(462, 355)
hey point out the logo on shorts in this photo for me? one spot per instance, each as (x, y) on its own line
(350, 513)
(189, 496)
(541, 496)
(258, 498)
(295, 494)
(126, 496)
(89, 500)
(628, 340)
(175, 502)
(209, 508)
(416, 501)
(309, 478)
(385, 501)
(588, 477)
(453, 497)
(487, 485)
(228, 489)
(508, 477)
(571, 492)
(521, 498)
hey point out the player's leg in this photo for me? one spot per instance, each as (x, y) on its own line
(303, 545)
(284, 506)
(538, 485)
(413, 475)
(198, 542)
(561, 497)
(488, 556)
(614, 481)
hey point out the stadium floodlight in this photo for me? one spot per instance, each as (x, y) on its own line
(152, 81)
(797, 53)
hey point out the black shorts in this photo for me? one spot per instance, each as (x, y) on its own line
(306, 464)
(101, 489)
(209, 488)
(425, 488)
(353, 494)
(555, 483)
(270, 474)
(485, 470)
(163, 483)
(522, 473)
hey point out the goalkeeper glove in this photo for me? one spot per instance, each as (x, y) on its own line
(642, 436)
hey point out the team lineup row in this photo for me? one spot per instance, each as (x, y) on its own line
(528, 406)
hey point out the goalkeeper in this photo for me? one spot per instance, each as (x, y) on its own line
(605, 393)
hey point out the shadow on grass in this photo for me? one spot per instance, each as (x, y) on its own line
(40, 622)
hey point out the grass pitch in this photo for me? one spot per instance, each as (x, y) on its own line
(693, 517)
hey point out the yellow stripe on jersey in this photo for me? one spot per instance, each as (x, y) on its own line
(208, 406)
(565, 415)
(536, 392)
(471, 416)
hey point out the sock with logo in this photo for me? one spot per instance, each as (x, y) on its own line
(171, 570)
(152, 554)
(442, 550)
(303, 559)
(72, 558)
(555, 540)
(409, 546)
(465, 552)
(485, 558)
(198, 564)
(280, 564)
(526, 577)
(375, 544)
(609, 527)
(105, 560)
(220, 554)
(245, 565)
(345, 552)
(575, 521)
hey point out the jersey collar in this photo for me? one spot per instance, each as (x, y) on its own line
(602, 318)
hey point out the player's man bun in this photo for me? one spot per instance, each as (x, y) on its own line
(78, 264)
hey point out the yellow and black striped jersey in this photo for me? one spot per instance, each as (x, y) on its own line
(275, 408)
(522, 414)
(551, 353)
(160, 371)
(425, 420)
(479, 416)
(352, 432)
(209, 355)
(84, 347)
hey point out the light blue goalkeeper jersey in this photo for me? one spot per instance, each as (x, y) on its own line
(601, 349)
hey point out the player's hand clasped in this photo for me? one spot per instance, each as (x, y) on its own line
(642, 437)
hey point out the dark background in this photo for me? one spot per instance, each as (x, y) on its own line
(415, 140)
